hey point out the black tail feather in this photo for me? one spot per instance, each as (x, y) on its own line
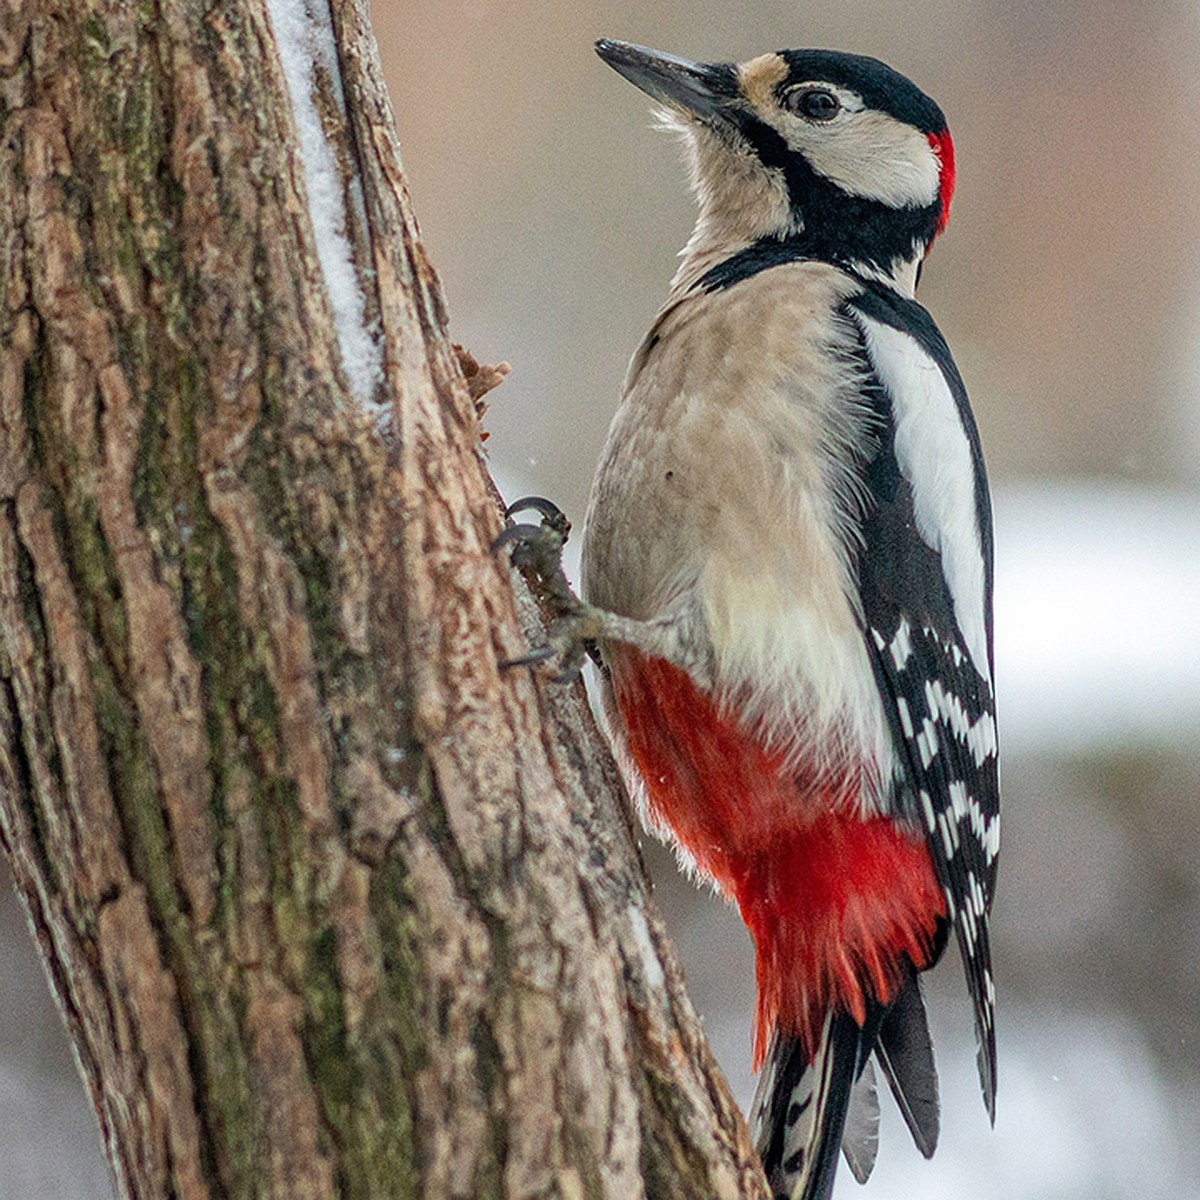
(905, 1052)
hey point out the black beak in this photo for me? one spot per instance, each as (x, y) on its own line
(702, 89)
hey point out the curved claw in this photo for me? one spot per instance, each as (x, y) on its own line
(532, 659)
(552, 515)
(537, 549)
(564, 646)
(522, 534)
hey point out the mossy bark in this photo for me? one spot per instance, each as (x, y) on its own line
(331, 905)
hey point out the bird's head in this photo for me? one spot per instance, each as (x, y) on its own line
(836, 150)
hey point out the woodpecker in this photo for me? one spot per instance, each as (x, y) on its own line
(787, 574)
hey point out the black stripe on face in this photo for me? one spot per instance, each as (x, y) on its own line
(837, 226)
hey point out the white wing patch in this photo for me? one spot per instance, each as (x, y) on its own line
(934, 455)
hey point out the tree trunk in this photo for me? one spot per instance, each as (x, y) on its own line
(332, 906)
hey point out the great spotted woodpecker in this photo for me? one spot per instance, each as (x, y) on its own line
(787, 570)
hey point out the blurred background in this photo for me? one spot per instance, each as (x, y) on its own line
(1068, 286)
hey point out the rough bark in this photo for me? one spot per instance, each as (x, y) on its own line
(332, 906)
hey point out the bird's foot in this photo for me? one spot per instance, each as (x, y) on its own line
(536, 550)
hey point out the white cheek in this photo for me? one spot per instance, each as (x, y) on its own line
(872, 155)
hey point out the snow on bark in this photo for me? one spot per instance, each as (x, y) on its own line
(305, 39)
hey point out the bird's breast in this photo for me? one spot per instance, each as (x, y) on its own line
(725, 498)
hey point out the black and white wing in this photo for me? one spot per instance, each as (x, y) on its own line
(925, 578)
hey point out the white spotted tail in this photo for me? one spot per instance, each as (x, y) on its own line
(805, 1108)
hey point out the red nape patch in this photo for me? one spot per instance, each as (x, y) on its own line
(834, 902)
(943, 147)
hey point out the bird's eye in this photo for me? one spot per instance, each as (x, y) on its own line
(817, 104)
